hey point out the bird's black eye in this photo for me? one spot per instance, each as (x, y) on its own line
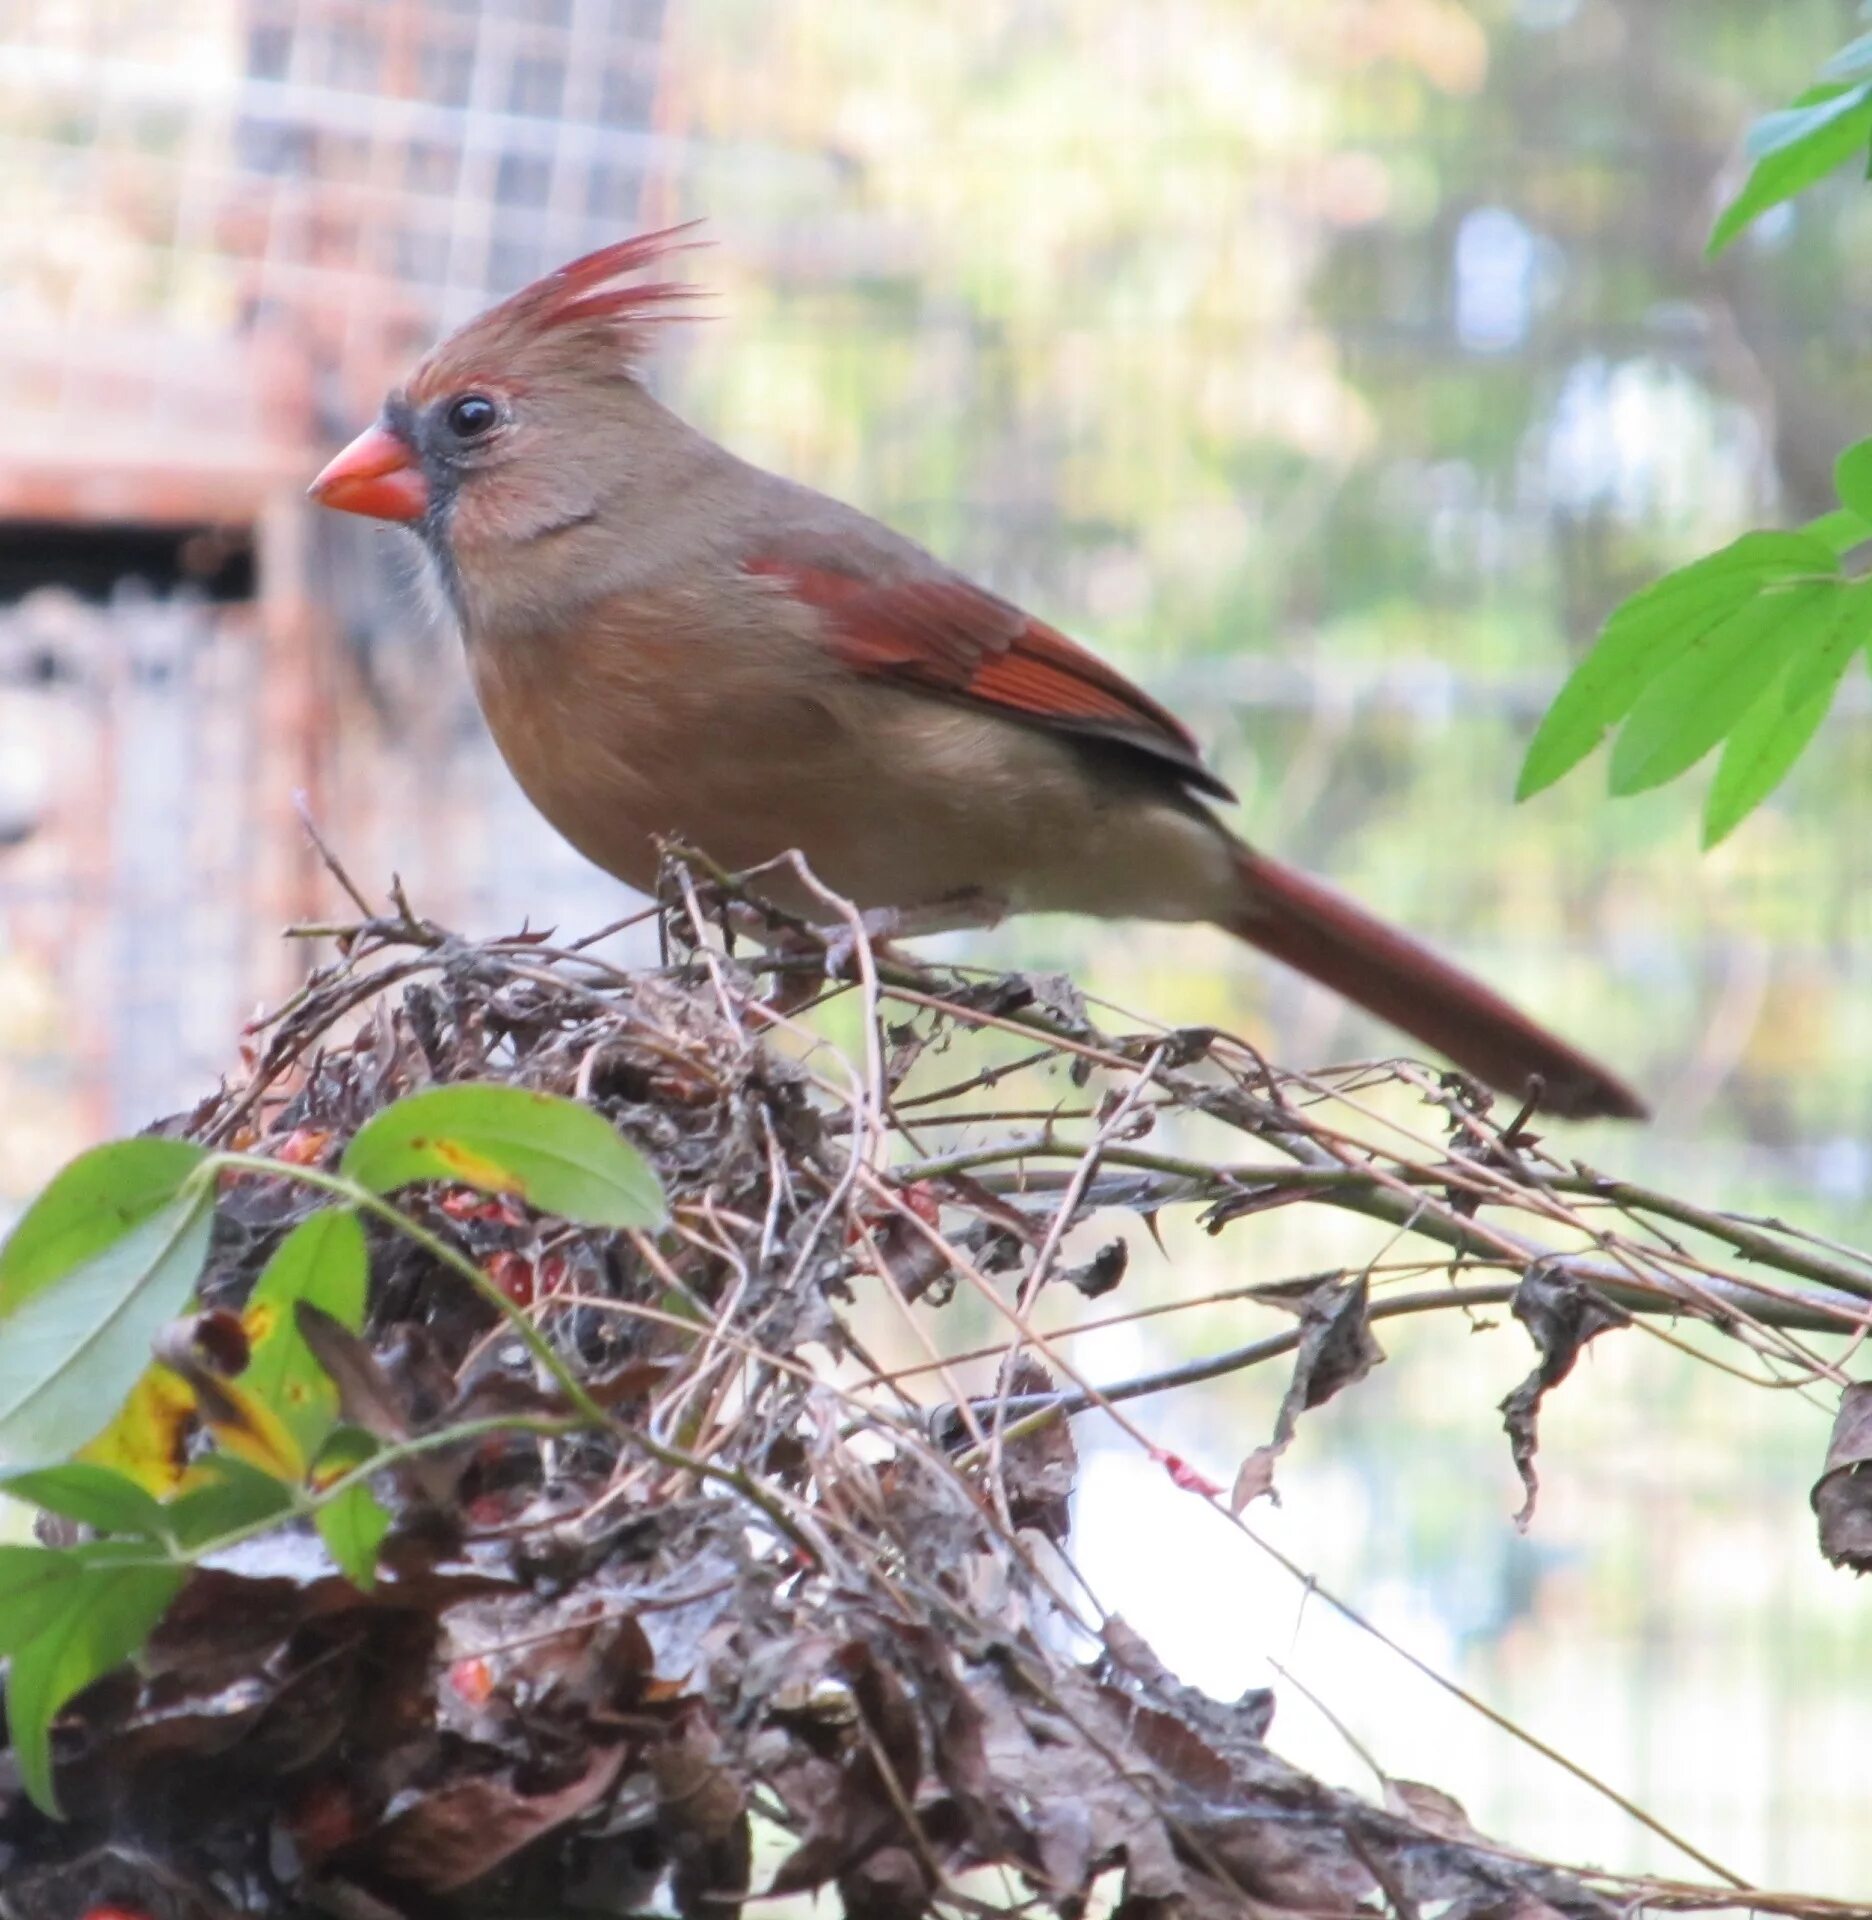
(471, 416)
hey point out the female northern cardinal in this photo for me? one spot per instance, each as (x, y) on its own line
(667, 641)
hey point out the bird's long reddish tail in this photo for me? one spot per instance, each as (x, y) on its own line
(1331, 940)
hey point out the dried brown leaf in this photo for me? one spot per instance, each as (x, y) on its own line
(1040, 1469)
(890, 1884)
(580, 1693)
(367, 1397)
(1099, 1275)
(461, 1831)
(1562, 1314)
(1842, 1496)
(1430, 1808)
(1254, 1478)
(1336, 1349)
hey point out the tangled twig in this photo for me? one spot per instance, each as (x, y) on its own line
(816, 1595)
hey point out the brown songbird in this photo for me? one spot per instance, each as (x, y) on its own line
(670, 643)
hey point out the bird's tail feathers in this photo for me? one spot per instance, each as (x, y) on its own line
(1329, 939)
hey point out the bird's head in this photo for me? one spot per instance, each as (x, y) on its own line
(522, 422)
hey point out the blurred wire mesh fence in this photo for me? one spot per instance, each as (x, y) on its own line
(1335, 367)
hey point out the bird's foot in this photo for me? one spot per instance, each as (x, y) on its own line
(876, 929)
(838, 943)
(883, 927)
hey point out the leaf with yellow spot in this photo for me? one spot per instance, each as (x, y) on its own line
(477, 1169)
(324, 1263)
(148, 1440)
(555, 1154)
(246, 1427)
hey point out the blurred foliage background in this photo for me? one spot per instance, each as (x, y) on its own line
(1335, 368)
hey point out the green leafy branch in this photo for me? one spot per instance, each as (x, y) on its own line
(1745, 648)
(108, 1257)
(1821, 129)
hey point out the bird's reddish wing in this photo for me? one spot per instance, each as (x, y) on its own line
(960, 640)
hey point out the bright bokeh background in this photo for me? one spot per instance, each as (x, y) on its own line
(1334, 367)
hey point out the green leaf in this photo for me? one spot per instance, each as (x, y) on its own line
(1811, 112)
(71, 1353)
(1823, 129)
(1852, 479)
(1603, 687)
(97, 1496)
(1646, 636)
(230, 1496)
(1816, 668)
(107, 1615)
(1841, 530)
(1770, 735)
(1762, 555)
(323, 1261)
(1694, 702)
(35, 1585)
(555, 1154)
(1759, 753)
(147, 1438)
(353, 1525)
(93, 1201)
(348, 1447)
(1852, 62)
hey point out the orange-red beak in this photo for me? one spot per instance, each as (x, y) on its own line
(377, 474)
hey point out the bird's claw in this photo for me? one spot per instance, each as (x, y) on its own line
(876, 928)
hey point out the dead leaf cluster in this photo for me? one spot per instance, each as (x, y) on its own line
(794, 1622)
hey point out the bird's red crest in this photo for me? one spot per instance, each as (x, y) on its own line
(585, 292)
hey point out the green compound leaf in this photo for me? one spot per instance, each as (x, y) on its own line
(1694, 702)
(1647, 636)
(1771, 734)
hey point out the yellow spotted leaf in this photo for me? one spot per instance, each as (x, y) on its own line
(556, 1154)
(148, 1440)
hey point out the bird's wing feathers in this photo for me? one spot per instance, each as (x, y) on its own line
(951, 637)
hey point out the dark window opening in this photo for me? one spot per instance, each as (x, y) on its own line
(90, 561)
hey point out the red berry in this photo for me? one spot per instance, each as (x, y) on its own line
(303, 1147)
(322, 1818)
(473, 1679)
(921, 1198)
(467, 1203)
(513, 1274)
(489, 1510)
